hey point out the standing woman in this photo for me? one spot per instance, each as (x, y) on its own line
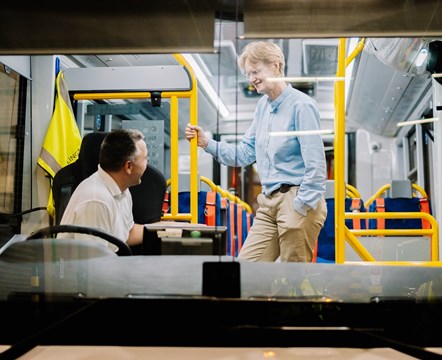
(292, 169)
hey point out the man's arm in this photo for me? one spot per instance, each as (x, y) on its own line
(136, 235)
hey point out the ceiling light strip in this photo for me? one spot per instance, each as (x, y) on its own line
(207, 87)
(413, 122)
(301, 133)
(307, 79)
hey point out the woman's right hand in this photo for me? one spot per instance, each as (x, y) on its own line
(194, 130)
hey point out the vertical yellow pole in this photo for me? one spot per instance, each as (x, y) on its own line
(339, 145)
(194, 153)
(193, 145)
(174, 154)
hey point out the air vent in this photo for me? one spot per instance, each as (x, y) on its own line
(89, 60)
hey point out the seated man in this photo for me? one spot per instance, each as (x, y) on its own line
(103, 200)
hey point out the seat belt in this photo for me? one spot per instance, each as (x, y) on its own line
(356, 207)
(249, 221)
(239, 229)
(380, 207)
(315, 252)
(166, 206)
(425, 207)
(232, 223)
(210, 209)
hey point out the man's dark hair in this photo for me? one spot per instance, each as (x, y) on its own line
(118, 147)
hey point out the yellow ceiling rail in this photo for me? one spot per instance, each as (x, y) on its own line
(129, 95)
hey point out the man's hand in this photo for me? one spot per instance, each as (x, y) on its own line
(194, 130)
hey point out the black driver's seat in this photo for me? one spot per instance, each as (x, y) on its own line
(147, 197)
(67, 179)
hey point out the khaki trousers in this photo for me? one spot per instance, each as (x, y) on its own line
(278, 230)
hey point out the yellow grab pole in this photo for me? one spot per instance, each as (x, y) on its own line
(194, 143)
(339, 142)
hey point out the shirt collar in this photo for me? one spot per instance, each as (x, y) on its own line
(275, 103)
(110, 183)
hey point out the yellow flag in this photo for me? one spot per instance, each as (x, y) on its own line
(62, 142)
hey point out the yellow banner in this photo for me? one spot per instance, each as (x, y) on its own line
(62, 142)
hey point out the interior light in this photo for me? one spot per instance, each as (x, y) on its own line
(207, 86)
(306, 79)
(414, 122)
(304, 132)
(421, 57)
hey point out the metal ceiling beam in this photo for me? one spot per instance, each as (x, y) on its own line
(341, 18)
(85, 27)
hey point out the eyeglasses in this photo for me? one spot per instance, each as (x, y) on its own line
(249, 75)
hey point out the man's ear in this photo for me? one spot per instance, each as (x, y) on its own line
(277, 66)
(128, 166)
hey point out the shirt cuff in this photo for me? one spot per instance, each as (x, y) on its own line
(301, 208)
(211, 147)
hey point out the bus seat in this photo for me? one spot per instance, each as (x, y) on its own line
(398, 197)
(325, 247)
(148, 196)
(209, 206)
(239, 220)
(209, 201)
(67, 179)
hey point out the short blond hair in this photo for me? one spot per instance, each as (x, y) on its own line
(265, 52)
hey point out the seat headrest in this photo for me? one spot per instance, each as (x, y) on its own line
(89, 155)
(329, 189)
(401, 189)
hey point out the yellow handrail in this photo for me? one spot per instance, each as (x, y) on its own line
(351, 191)
(433, 232)
(226, 193)
(209, 182)
(220, 190)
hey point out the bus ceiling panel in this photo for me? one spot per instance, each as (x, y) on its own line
(93, 27)
(128, 78)
(378, 103)
(341, 18)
